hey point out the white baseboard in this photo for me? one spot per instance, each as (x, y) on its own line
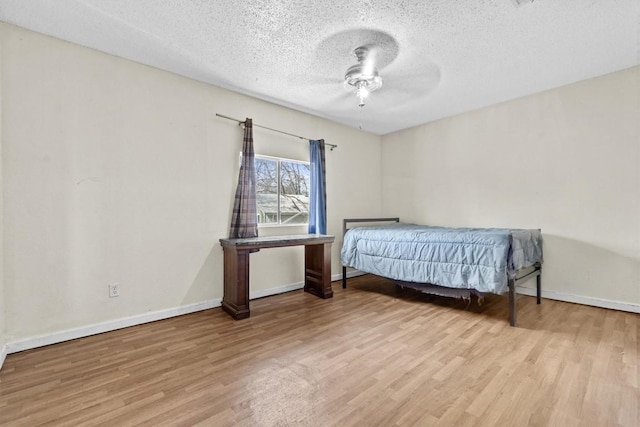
(352, 273)
(111, 325)
(275, 291)
(296, 286)
(577, 299)
(3, 355)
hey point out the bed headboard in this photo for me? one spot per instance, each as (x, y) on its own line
(347, 221)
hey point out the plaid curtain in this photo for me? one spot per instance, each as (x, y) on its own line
(244, 221)
(318, 202)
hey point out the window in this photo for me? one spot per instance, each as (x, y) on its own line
(282, 191)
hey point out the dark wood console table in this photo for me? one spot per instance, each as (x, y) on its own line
(317, 260)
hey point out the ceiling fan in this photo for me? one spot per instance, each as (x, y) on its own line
(363, 77)
(349, 63)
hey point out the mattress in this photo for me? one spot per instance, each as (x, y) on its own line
(483, 259)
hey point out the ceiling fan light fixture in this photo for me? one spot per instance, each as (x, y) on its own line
(362, 92)
(363, 77)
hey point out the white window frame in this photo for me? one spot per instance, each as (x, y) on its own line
(279, 160)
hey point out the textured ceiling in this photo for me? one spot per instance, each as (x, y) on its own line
(437, 58)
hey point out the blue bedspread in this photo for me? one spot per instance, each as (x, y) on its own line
(468, 258)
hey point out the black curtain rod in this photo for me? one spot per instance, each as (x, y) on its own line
(241, 122)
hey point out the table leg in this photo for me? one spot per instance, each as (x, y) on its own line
(317, 276)
(235, 300)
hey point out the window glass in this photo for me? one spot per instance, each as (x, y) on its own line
(282, 191)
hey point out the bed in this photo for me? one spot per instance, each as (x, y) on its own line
(445, 261)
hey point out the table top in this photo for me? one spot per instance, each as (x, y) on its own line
(277, 241)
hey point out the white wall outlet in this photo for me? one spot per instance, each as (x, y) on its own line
(114, 290)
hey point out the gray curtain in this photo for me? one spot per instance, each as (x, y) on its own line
(244, 221)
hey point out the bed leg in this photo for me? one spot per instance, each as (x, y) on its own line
(512, 302)
(344, 277)
(539, 287)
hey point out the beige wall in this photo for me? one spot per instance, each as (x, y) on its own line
(566, 161)
(118, 172)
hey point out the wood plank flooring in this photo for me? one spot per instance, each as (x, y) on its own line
(371, 356)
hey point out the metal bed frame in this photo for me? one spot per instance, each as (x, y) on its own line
(512, 282)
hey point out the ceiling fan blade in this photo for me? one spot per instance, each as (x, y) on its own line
(417, 83)
(340, 101)
(307, 79)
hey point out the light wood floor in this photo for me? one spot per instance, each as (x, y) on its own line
(369, 356)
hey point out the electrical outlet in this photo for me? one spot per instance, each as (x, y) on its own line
(114, 290)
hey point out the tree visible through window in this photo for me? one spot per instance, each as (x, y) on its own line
(282, 191)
